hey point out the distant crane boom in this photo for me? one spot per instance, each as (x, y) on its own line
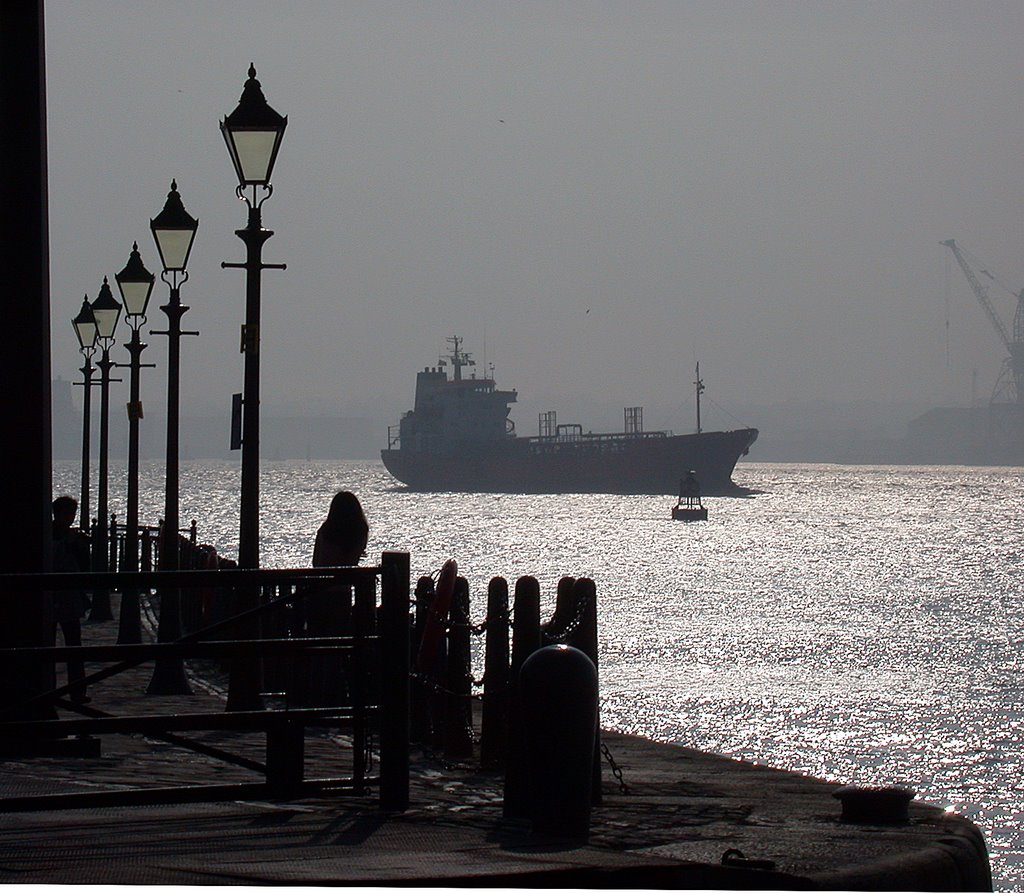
(1011, 379)
(980, 292)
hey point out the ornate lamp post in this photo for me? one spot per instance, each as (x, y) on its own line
(174, 230)
(85, 330)
(135, 283)
(106, 311)
(253, 133)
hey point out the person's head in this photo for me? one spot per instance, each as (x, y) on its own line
(64, 510)
(346, 526)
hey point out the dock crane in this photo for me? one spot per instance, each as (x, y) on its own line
(1010, 384)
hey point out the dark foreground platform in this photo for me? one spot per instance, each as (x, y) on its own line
(684, 810)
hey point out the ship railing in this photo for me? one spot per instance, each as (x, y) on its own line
(547, 442)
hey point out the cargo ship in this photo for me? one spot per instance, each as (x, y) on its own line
(459, 436)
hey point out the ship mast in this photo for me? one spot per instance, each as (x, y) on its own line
(458, 357)
(699, 385)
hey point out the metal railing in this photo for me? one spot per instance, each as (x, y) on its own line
(372, 653)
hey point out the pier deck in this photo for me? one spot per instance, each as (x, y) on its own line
(683, 811)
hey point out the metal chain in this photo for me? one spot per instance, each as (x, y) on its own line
(616, 769)
(476, 629)
(437, 688)
(571, 626)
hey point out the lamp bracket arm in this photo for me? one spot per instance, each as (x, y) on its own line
(253, 204)
(171, 277)
(224, 265)
(130, 365)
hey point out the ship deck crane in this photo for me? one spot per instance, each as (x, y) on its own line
(1010, 384)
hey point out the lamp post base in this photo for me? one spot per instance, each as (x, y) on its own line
(169, 672)
(129, 626)
(169, 678)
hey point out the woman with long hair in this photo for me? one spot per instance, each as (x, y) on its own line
(341, 539)
(340, 542)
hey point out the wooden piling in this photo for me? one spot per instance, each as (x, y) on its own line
(565, 611)
(584, 637)
(525, 640)
(419, 716)
(494, 712)
(458, 736)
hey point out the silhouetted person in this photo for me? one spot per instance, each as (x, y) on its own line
(341, 539)
(340, 542)
(70, 555)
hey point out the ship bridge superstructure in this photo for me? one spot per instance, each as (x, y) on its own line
(450, 414)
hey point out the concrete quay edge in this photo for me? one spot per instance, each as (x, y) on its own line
(684, 809)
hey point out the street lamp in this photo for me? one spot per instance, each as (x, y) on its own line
(174, 230)
(106, 311)
(85, 330)
(135, 283)
(252, 133)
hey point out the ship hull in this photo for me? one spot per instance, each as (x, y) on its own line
(624, 465)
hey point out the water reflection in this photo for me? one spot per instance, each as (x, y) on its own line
(854, 623)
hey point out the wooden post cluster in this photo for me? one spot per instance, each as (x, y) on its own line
(441, 714)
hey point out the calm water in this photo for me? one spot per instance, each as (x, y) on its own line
(857, 623)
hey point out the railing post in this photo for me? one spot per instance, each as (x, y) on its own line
(494, 713)
(286, 746)
(100, 610)
(525, 640)
(458, 736)
(362, 678)
(394, 679)
(147, 551)
(112, 562)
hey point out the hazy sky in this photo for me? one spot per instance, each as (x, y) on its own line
(594, 194)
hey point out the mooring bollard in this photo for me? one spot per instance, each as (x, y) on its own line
(558, 684)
